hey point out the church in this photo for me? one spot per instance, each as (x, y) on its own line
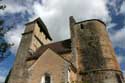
(87, 57)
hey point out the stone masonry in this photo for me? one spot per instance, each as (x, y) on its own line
(87, 57)
(95, 58)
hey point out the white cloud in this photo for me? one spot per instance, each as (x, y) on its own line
(121, 59)
(114, 4)
(2, 79)
(3, 72)
(122, 10)
(111, 25)
(55, 14)
(16, 6)
(14, 36)
(118, 38)
(12, 8)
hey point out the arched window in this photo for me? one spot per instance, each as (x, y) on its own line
(46, 78)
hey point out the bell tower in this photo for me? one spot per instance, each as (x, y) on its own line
(34, 36)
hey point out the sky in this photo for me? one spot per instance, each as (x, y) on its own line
(55, 14)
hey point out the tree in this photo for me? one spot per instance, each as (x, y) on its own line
(4, 45)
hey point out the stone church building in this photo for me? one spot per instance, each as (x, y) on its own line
(87, 57)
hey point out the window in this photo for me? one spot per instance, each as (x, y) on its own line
(69, 76)
(81, 26)
(46, 78)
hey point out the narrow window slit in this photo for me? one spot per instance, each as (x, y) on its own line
(81, 26)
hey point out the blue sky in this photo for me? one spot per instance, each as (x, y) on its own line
(55, 14)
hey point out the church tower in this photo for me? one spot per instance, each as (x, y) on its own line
(94, 56)
(34, 36)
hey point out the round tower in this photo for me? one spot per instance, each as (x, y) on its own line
(95, 58)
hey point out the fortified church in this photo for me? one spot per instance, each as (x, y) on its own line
(87, 57)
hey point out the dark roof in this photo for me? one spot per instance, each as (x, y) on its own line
(61, 47)
(58, 47)
(42, 26)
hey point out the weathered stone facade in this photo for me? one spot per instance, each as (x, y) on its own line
(88, 57)
(95, 58)
(53, 65)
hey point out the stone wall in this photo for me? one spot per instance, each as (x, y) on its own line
(50, 63)
(94, 52)
(19, 71)
(31, 40)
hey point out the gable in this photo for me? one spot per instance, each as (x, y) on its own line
(49, 57)
(51, 63)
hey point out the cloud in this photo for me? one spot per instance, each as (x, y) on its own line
(2, 79)
(122, 10)
(118, 38)
(3, 73)
(115, 5)
(14, 36)
(13, 8)
(111, 25)
(55, 14)
(16, 6)
(121, 59)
